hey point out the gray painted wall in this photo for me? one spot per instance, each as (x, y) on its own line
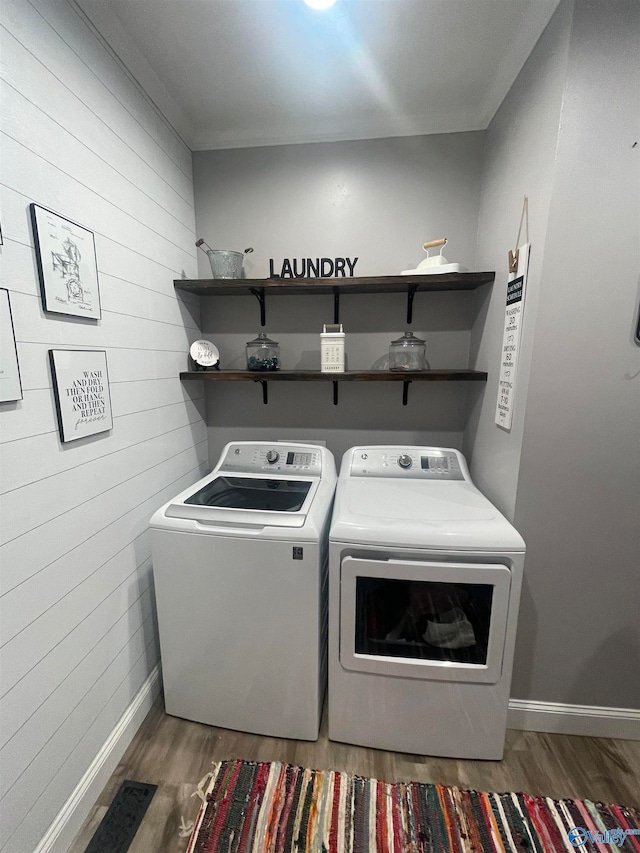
(518, 160)
(564, 137)
(578, 499)
(377, 200)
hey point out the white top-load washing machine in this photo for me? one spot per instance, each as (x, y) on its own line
(424, 588)
(240, 572)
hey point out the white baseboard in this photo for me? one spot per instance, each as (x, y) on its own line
(589, 720)
(71, 816)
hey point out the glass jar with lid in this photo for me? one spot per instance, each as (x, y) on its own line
(263, 353)
(408, 353)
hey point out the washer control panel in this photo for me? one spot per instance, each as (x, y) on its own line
(276, 458)
(418, 463)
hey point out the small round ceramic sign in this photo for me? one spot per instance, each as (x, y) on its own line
(204, 353)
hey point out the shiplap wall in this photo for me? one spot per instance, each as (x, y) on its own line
(78, 635)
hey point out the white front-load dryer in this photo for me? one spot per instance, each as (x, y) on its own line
(424, 588)
(240, 574)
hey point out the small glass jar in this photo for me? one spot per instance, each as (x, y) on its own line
(408, 353)
(263, 354)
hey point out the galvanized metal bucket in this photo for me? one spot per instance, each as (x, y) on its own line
(225, 263)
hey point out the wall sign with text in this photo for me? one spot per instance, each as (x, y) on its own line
(81, 388)
(10, 384)
(513, 317)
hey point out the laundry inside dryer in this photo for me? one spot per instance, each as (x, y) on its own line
(423, 620)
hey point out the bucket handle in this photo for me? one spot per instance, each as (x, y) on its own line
(200, 243)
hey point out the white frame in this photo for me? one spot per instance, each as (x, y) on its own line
(88, 411)
(10, 381)
(67, 265)
(496, 575)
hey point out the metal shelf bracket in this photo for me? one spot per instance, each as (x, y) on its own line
(411, 292)
(405, 392)
(258, 292)
(265, 390)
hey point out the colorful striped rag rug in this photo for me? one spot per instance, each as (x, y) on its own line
(269, 807)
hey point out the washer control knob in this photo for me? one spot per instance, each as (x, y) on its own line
(404, 460)
(272, 456)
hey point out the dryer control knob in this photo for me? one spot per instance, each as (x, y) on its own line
(404, 461)
(272, 456)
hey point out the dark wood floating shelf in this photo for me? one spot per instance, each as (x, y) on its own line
(409, 284)
(348, 376)
(362, 284)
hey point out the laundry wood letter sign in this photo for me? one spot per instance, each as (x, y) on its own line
(313, 268)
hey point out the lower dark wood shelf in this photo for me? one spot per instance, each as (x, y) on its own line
(347, 376)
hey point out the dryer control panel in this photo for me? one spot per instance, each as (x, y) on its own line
(275, 458)
(417, 463)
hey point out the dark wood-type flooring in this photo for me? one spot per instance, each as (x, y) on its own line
(175, 754)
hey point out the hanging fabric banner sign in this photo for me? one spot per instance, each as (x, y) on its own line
(513, 317)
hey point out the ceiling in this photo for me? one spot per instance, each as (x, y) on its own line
(239, 73)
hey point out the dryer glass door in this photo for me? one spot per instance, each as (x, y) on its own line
(430, 620)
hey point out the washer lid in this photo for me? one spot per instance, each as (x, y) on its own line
(249, 493)
(262, 493)
(420, 514)
(245, 501)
